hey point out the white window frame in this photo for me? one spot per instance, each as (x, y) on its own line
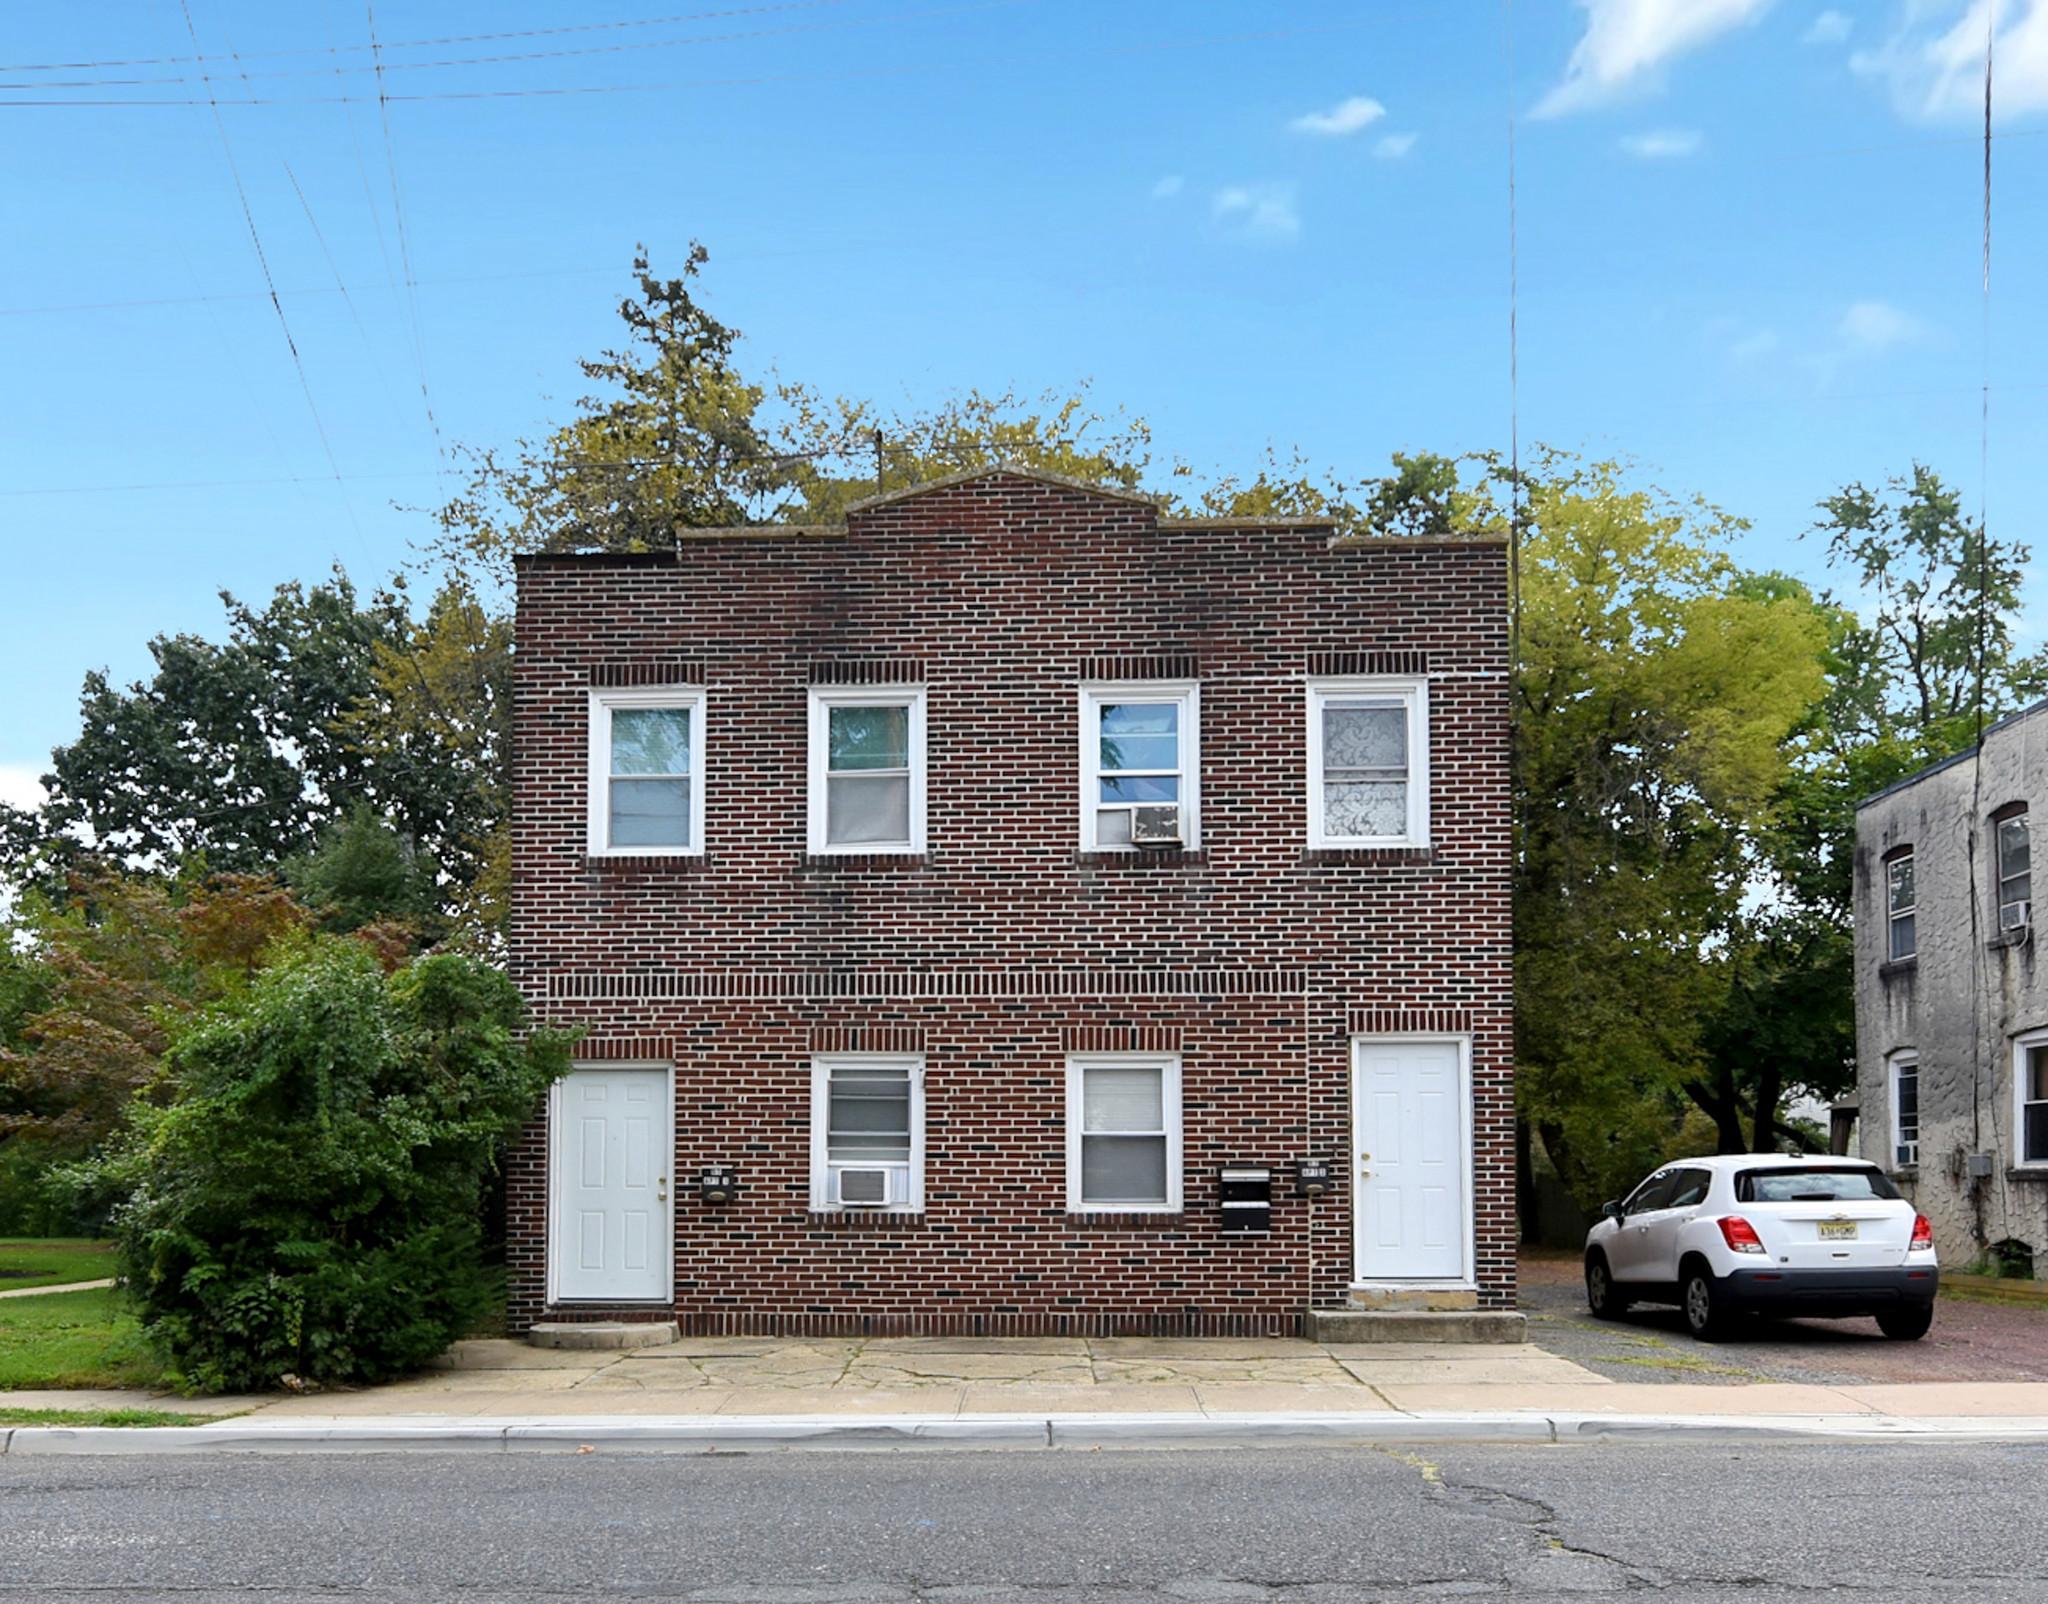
(823, 699)
(1414, 695)
(2022, 907)
(1898, 1064)
(1168, 1064)
(1893, 915)
(2020, 1100)
(821, 1116)
(603, 703)
(1187, 695)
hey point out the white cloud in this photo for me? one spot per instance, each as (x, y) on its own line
(1934, 73)
(1754, 346)
(1874, 326)
(1168, 187)
(1346, 117)
(1627, 42)
(1263, 213)
(1829, 28)
(21, 785)
(1392, 147)
(1662, 144)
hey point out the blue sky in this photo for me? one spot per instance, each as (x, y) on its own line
(1749, 250)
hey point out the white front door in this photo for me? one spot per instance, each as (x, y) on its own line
(608, 1165)
(1411, 1119)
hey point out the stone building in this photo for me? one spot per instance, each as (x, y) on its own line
(1951, 996)
(1016, 911)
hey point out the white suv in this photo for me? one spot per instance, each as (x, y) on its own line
(1757, 1233)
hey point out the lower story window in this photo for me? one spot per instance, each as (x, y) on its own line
(867, 1133)
(2033, 1077)
(1123, 1135)
(1905, 1111)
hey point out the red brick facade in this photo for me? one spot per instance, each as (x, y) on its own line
(1004, 947)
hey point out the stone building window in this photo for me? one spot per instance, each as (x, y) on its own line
(1900, 901)
(1123, 1135)
(1141, 769)
(2015, 880)
(2030, 1070)
(867, 1133)
(1905, 1110)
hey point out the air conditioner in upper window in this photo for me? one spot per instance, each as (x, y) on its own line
(2016, 916)
(871, 1186)
(1156, 825)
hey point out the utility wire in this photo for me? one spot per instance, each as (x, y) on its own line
(380, 66)
(256, 239)
(977, 64)
(421, 44)
(412, 296)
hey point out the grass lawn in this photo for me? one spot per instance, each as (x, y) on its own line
(71, 1339)
(104, 1417)
(47, 1262)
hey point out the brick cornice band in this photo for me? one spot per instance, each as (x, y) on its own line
(934, 983)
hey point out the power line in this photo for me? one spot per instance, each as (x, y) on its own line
(421, 44)
(412, 296)
(376, 64)
(263, 261)
(744, 82)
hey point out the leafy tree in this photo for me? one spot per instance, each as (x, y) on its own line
(304, 1204)
(1657, 688)
(100, 981)
(236, 750)
(673, 442)
(363, 873)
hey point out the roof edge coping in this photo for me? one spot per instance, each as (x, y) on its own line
(1016, 470)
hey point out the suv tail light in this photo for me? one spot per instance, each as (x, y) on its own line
(1739, 1234)
(1923, 1235)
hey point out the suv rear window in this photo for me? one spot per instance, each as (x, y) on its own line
(1849, 1184)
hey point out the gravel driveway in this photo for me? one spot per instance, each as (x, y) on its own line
(1971, 1341)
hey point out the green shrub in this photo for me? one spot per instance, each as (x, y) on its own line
(305, 1201)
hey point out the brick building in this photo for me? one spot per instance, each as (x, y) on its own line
(965, 903)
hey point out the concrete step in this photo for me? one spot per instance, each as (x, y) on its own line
(1417, 1325)
(601, 1334)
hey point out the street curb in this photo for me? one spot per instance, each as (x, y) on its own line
(756, 1434)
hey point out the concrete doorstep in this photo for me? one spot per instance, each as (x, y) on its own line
(641, 1435)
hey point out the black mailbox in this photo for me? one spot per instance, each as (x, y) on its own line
(1246, 1192)
(1312, 1178)
(719, 1185)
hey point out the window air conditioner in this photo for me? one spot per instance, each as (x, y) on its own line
(876, 1187)
(2016, 916)
(1156, 825)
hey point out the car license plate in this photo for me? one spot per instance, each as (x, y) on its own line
(1838, 1230)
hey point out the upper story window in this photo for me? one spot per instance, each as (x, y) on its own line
(1368, 763)
(646, 771)
(1140, 766)
(2015, 879)
(1123, 1135)
(1905, 1078)
(867, 1133)
(2030, 1070)
(867, 769)
(1899, 903)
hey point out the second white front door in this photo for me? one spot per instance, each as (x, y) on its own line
(609, 1165)
(1411, 1116)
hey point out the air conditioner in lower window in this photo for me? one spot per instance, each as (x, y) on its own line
(1156, 825)
(870, 1186)
(2016, 916)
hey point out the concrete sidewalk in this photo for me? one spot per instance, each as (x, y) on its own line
(708, 1393)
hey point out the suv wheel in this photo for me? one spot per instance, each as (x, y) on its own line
(1908, 1324)
(1603, 1297)
(1705, 1304)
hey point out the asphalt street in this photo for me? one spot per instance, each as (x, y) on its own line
(1890, 1523)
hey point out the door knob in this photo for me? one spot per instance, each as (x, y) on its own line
(661, 1190)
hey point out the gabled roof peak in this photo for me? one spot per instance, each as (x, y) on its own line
(1013, 470)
